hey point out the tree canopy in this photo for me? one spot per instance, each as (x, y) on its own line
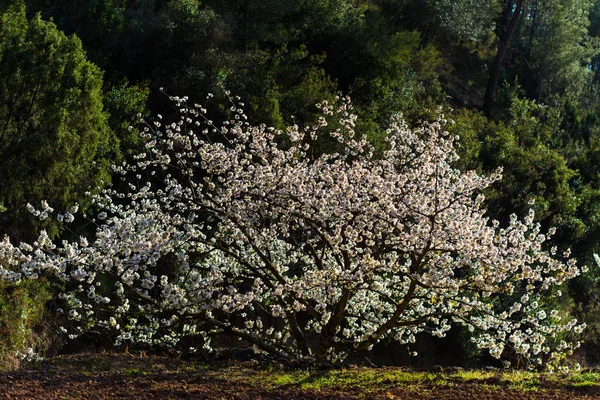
(54, 137)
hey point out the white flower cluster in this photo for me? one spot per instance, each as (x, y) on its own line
(239, 229)
(29, 356)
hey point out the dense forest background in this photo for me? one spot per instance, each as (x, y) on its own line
(520, 79)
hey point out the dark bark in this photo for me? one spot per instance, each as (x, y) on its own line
(511, 14)
(298, 335)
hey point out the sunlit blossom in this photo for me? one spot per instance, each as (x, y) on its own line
(230, 229)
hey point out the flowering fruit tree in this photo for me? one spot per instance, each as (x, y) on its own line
(244, 230)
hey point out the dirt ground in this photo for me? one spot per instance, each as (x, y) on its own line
(123, 376)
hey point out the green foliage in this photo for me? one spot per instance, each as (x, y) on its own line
(528, 144)
(469, 126)
(22, 310)
(275, 55)
(560, 48)
(289, 81)
(123, 103)
(556, 49)
(53, 131)
(467, 19)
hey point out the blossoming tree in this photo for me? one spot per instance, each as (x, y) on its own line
(243, 230)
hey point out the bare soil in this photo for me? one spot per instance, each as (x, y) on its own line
(123, 376)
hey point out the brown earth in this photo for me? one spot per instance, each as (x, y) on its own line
(123, 376)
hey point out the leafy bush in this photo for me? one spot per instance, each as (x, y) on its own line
(22, 310)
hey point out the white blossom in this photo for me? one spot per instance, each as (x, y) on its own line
(266, 241)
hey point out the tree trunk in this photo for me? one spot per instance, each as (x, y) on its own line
(510, 17)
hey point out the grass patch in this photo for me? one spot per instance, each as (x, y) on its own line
(135, 372)
(590, 377)
(523, 380)
(288, 379)
(368, 382)
(359, 379)
(584, 385)
(584, 380)
(473, 375)
(365, 380)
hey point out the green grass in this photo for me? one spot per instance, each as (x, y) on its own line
(584, 380)
(593, 377)
(523, 380)
(364, 380)
(584, 385)
(473, 375)
(359, 378)
(135, 372)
